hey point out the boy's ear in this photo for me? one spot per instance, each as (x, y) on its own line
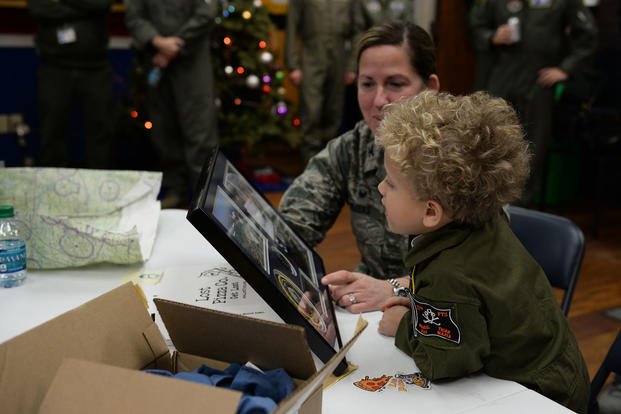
(434, 215)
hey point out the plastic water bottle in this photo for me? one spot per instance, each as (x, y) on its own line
(12, 250)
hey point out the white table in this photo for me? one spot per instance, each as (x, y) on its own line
(47, 294)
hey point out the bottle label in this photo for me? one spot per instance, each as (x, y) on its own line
(13, 260)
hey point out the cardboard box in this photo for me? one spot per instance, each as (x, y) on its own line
(88, 359)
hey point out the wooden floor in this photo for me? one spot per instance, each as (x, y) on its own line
(598, 289)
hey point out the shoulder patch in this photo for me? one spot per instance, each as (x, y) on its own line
(428, 320)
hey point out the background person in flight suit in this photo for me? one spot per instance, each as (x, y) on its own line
(72, 45)
(173, 35)
(321, 66)
(381, 11)
(525, 70)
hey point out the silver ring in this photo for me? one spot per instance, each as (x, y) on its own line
(352, 298)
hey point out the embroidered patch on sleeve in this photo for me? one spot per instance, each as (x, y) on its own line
(428, 320)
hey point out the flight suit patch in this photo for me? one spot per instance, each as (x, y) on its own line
(428, 320)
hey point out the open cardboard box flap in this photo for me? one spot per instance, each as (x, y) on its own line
(235, 338)
(112, 329)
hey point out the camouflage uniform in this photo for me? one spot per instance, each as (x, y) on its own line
(326, 29)
(511, 70)
(347, 170)
(482, 303)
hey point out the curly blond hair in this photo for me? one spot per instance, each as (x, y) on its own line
(466, 152)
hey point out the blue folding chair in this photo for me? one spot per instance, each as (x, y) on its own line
(555, 242)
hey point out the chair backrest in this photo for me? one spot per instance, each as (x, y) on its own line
(611, 363)
(557, 244)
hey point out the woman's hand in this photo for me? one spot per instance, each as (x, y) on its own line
(357, 292)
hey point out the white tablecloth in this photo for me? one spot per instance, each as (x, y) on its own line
(47, 294)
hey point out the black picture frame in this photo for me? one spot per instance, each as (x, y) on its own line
(250, 234)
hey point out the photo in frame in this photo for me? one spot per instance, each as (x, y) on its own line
(257, 242)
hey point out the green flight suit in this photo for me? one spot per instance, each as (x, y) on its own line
(481, 303)
(181, 104)
(347, 170)
(326, 30)
(381, 11)
(511, 71)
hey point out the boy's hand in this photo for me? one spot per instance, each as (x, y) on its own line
(394, 309)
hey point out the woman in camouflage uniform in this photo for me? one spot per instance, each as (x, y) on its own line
(395, 60)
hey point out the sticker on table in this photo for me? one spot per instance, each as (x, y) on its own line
(373, 384)
(399, 382)
(144, 276)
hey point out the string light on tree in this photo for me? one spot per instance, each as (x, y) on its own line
(266, 57)
(281, 109)
(252, 81)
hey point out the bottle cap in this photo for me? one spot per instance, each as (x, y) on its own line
(6, 211)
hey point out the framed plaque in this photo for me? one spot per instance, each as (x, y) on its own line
(256, 241)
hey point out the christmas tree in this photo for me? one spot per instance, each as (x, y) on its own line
(250, 83)
(251, 94)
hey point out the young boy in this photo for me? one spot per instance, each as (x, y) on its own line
(479, 302)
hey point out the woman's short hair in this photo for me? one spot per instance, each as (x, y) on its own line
(413, 38)
(466, 152)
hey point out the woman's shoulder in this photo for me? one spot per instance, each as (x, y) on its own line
(352, 146)
(360, 134)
